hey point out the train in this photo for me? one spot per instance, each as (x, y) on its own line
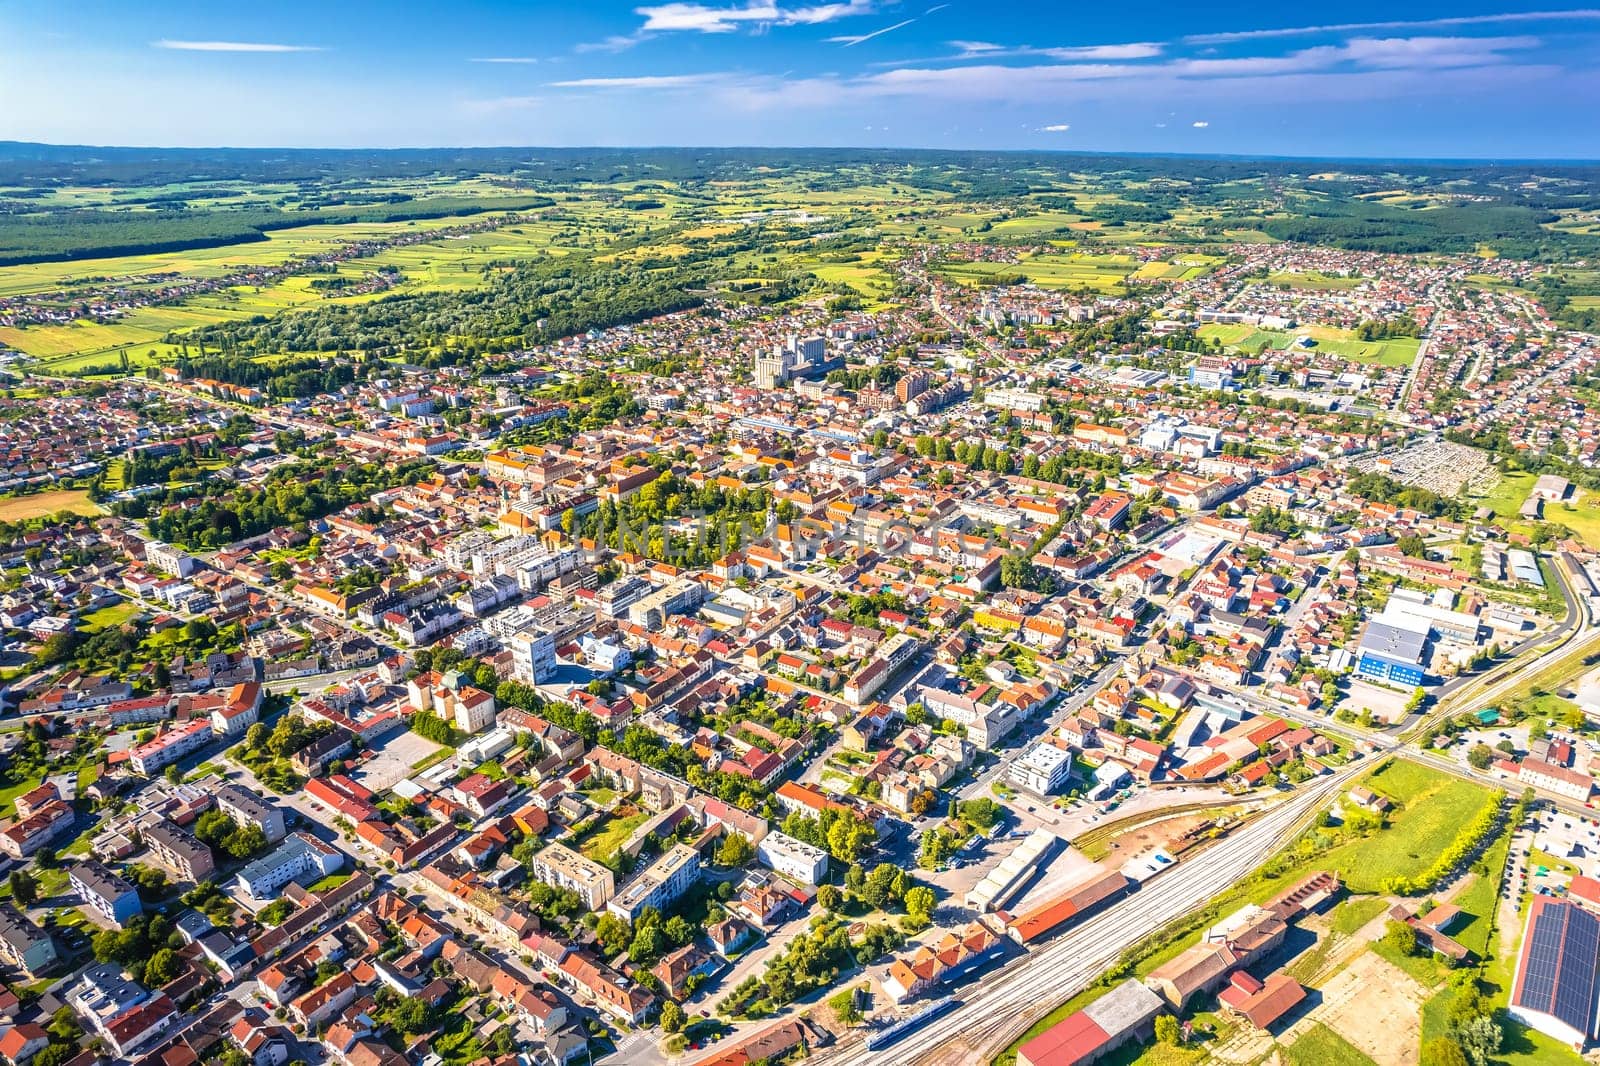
(906, 1026)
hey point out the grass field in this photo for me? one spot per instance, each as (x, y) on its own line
(1430, 807)
(604, 842)
(108, 617)
(1399, 352)
(1580, 514)
(8, 796)
(39, 504)
(1321, 1046)
(1313, 280)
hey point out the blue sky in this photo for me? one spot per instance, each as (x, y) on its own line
(1369, 79)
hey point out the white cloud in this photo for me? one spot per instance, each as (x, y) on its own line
(986, 50)
(702, 18)
(652, 81)
(1060, 127)
(1201, 125)
(232, 46)
(1581, 14)
(501, 104)
(851, 42)
(504, 59)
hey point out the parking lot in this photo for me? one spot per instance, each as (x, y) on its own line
(393, 758)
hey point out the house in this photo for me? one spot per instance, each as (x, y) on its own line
(729, 935)
(263, 1043)
(676, 968)
(1262, 1003)
(22, 1042)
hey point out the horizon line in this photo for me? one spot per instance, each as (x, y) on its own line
(1128, 153)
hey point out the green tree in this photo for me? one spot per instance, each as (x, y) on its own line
(1167, 1029)
(919, 904)
(613, 933)
(24, 889)
(163, 966)
(1480, 756)
(672, 1017)
(735, 850)
(1401, 938)
(1442, 1051)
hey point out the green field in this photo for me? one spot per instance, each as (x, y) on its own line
(1313, 280)
(1580, 513)
(1321, 1046)
(8, 796)
(1398, 352)
(603, 843)
(109, 617)
(1101, 273)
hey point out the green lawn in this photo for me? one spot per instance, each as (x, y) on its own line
(602, 843)
(1424, 969)
(1351, 915)
(329, 883)
(1397, 352)
(109, 617)
(1581, 514)
(1321, 1046)
(1430, 807)
(1478, 899)
(8, 796)
(1313, 280)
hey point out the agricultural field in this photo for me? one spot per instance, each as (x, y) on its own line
(1096, 273)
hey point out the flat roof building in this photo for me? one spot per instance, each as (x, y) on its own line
(663, 881)
(560, 866)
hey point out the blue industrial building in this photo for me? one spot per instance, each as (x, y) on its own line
(1392, 655)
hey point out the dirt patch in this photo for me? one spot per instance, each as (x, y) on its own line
(39, 504)
(1375, 1006)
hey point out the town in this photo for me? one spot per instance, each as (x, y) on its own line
(1001, 672)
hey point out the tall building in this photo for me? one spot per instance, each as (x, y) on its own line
(913, 384)
(772, 371)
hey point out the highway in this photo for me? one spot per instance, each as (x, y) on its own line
(1000, 1006)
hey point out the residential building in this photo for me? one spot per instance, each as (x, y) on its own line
(179, 851)
(560, 866)
(155, 755)
(23, 944)
(663, 881)
(1042, 769)
(301, 855)
(100, 888)
(794, 859)
(247, 808)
